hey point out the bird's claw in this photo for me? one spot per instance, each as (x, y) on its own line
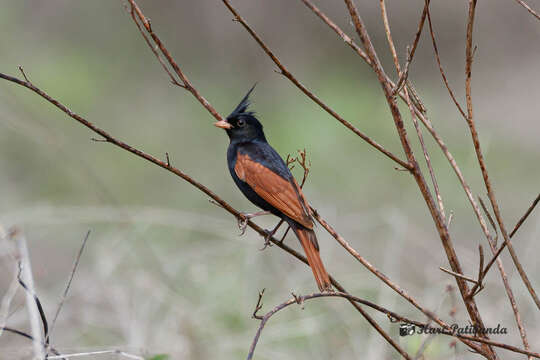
(242, 225)
(267, 241)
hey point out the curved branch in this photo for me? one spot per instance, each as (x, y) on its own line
(301, 299)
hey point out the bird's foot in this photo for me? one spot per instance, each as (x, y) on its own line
(328, 290)
(243, 221)
(242, 225)
(267, 239)
(269, 234)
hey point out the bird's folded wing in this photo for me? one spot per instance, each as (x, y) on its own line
(281, 193)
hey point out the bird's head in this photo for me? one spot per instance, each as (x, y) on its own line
(242, 125)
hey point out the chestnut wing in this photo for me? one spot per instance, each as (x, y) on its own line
(284, 195)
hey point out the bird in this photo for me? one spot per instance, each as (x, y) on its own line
(265, 179)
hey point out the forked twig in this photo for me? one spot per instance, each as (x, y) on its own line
(258, 306)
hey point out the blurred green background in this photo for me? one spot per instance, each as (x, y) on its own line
(164, 270)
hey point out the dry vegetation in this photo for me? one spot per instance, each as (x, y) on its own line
(396, 87)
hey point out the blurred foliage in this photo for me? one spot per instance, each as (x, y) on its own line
(164, 271)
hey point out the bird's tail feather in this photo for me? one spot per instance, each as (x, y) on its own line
(309, 243)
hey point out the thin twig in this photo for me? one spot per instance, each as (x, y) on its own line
(306, 91)
(11, 291)
(408, 101)
(439, 220)
(490, 219)
(152, 47)
(338, 30)
(175, 171)
(101, 352)
(410, 52)
(389, 37)
(30, 337)
(258, 306)
(186, 83)
(420, 113)
(458, 275)
(436, 49)
(425, 343)
(491, 194)
(525, 216)
(302, 299)
(516, 228)
(529, 9)
(380, 275)
(68, 285)
(27, 281)
(480, 263)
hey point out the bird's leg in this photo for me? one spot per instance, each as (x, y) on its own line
(242, 222)
(269, 235)
(283, 237)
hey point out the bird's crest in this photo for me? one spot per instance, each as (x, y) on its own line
(244, 104)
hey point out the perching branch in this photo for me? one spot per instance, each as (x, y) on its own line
(417, 110)
(110, 139)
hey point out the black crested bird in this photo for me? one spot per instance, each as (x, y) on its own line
(264, 178)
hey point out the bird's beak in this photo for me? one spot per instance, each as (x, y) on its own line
(223, 124)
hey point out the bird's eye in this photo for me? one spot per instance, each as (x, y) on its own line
(240, 123)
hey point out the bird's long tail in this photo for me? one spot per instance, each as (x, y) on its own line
(311, 248)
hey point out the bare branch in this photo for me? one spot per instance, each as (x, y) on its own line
(30, 337)
(516, 227)
(410, 52)
(119, 353)
(306, 91)
(525, 216)
(435, 48)
(258, 306)
(27, 282)
(215, 198)
(157, 41)
(302, 299)
(68, 285)
(529, 9)
(491, 195)
(458, 275)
